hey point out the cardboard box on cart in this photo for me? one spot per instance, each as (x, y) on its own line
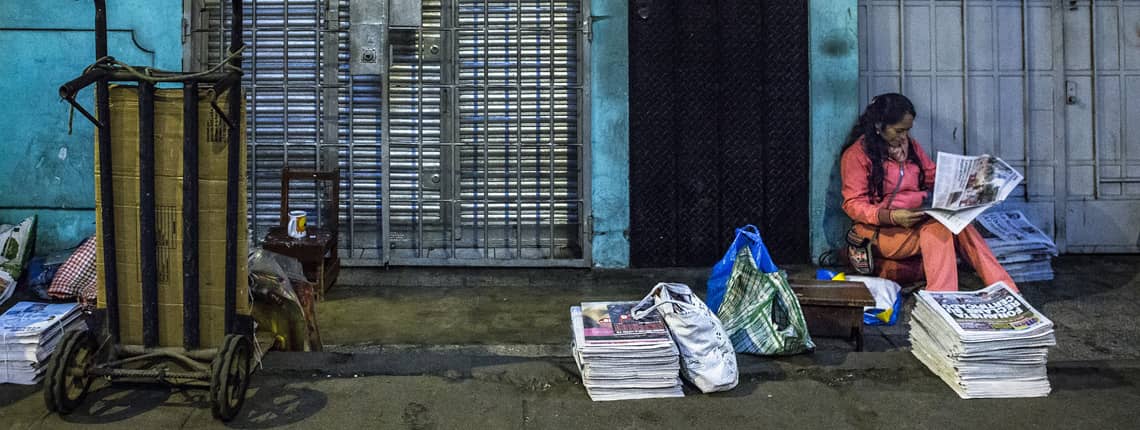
(212, 161)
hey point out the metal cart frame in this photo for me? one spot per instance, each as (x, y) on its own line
(83, 355)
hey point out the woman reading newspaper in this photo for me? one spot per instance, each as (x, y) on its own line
(886, 177)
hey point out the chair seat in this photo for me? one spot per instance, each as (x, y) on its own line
(313, 248)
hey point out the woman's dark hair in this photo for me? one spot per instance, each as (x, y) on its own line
(884, 110)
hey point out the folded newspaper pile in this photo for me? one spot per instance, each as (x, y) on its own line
(29, 332)
(622, 358)
(1021, 248)
(985, 343)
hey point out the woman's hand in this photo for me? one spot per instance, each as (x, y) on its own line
(906, 218)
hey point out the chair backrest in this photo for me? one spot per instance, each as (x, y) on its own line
(289, 175)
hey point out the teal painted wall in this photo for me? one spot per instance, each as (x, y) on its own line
(45, 170)
(609, 133)
(833, 63)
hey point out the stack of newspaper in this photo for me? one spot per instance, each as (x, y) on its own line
(985, 343)
(620, 357)
(1021, 248)
(29, 332)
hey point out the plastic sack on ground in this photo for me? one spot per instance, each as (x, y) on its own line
(284, 301)
(15, 251)
(746, 237)
(761, 313)
(707, 358)
(887, 300)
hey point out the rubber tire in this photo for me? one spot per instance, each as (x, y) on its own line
(76, 348)
(229, 377)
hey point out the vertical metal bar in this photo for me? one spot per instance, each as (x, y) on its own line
(190, 216)
(106, 184)
(450, 124)
(518, 129)
(148, 253)
(902, 46)
(285, 83)
(550, 98)
(1025, 111)
(386, 156)
(330, 112)
(585, 185)
(351, 132)
(253, 118)
(1120, 66)
(965, 80)
(233, 153)
(319, 161)
(486, 130)
(1094, 124)
(420, 139)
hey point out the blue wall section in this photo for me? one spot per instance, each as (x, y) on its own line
(609, 133)
(46, 43)
(833, 63)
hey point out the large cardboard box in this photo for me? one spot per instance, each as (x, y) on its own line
(212, 155)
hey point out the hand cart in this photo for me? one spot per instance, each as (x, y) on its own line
(99, 351)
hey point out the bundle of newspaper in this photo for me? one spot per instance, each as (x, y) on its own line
(29, 332)
(1021, 248)
(622, 358)
(985, 343)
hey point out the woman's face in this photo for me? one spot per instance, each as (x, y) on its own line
(896, 134)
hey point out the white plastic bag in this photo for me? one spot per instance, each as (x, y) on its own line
(707, 357)
(886, 294)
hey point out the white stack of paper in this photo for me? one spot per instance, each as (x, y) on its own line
(1021, 248)
(986, 343)
(620, 357)
(29, 333)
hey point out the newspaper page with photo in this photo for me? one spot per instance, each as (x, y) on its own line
(992, 312)
(965, 186)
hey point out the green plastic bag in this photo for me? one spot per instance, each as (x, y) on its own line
(760, 311)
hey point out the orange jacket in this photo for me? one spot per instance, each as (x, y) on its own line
(854, 167)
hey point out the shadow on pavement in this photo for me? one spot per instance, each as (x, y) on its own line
(1089, 378)
(277, 404)
(10, 394)
(108, 404)
(267, 404)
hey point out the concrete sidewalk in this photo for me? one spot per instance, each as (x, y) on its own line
(524, 312)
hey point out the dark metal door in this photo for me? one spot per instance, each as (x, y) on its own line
(718, 128)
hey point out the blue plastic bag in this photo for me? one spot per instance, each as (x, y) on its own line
(747, 236)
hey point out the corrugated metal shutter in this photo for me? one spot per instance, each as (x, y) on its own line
(483, 137)
(1043, 84)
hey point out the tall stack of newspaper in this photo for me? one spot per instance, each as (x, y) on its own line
(620, 357)
(29, 333)
(985, 343)
(1021, 248)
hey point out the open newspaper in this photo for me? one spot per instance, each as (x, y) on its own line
(986, 343)
(965, 186)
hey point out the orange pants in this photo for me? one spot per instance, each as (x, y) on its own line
(937, 249)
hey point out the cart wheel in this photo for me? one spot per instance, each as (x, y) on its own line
(230, 377)
(68, 372)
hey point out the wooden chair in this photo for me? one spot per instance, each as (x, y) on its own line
(317, 252)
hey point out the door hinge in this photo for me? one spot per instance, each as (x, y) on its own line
(588, 28)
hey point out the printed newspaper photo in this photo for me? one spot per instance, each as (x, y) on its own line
(965, 186)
